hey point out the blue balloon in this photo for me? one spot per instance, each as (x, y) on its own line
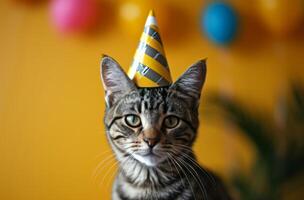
(219, 21)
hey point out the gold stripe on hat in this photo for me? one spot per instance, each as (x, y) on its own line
(145, 38)
(152, 75)
(142, 80)
(154, 65)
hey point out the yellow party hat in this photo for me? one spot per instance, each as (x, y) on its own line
(149, 67)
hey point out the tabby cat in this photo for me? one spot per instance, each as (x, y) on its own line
(151, 131)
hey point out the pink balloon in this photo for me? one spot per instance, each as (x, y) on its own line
(74, 15)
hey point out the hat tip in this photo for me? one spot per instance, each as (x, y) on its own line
(151, 20)
(151, 13)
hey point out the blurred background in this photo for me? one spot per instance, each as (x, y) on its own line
(52, 139)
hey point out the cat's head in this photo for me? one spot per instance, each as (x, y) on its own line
(151, 124)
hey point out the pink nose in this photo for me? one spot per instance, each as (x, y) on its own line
(151, 141)
(151, 136)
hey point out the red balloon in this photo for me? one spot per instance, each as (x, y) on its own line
(74, 15)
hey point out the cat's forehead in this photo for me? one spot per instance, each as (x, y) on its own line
(153, 93)
(145, 94)
(144, 98)
(153, 100)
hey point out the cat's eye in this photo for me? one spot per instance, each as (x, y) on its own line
(171, 122)
(132, 121)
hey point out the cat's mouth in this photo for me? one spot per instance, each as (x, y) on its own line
(150, 154)
(149, 158)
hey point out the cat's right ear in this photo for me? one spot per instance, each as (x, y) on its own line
(115, 81)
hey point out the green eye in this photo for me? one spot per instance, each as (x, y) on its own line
(171, 122)
(133, 121)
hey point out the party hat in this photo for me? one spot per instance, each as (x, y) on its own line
(149, 67)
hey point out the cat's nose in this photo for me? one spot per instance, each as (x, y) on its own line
(151, 141)
(151, 136)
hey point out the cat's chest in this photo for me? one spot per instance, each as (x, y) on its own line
(147, 184)
(125, 190)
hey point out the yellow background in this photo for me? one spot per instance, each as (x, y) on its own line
(52, 103)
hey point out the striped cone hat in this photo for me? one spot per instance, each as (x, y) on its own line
(149, 67)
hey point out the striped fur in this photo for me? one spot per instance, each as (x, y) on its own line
(167, 170)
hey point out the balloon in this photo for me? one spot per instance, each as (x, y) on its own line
(281, 16)
(219, 22)
(74, 15)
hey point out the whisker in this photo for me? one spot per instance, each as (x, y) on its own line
(184, 147)
(196, 178)
(113, 174)
(170, 168)
(111, 167)
(107, 172)
(103, 153)
(101, 166)
(206, 173)
(185, 176)
(170, 159)
(101, 171)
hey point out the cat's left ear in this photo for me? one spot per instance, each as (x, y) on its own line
(115, 81)
(191, 82)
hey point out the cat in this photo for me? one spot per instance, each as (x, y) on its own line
(152, 131)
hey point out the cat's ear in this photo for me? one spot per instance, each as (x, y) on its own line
(192, 80)
(115, 81)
